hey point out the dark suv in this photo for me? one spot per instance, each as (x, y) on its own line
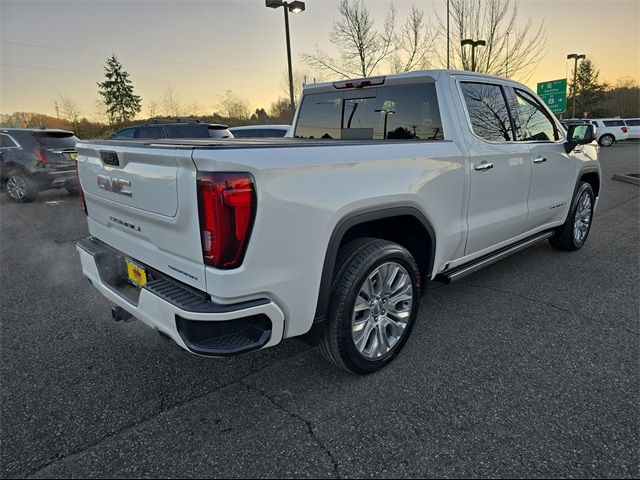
(33, 159)
(172, 130)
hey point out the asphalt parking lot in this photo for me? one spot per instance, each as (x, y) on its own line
(527, 368)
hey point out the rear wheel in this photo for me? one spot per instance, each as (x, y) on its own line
(74, 191)
(374, 302)
(574, 232)
(607, 140)
(20, 188)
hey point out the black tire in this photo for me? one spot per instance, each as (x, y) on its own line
(18, 177)
(606, 140)
(73, 191)
(356, 261)
(564, 237)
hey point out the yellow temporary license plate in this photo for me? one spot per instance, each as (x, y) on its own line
(136, 273)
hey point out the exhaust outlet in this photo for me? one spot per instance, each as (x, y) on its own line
(120, 314)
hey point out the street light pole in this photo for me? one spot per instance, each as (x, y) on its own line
(576, 57)
(295, 7)
(448, 39)
(286, 28)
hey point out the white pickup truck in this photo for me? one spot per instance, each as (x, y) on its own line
(229, 246)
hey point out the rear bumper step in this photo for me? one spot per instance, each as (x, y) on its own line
(468, 268)
(184, 314)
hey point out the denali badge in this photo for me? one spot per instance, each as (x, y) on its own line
(124, 224)
(115, 185)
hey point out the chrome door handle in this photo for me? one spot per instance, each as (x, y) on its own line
(483, 166)
(539, 160)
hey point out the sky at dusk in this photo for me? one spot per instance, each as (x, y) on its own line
(202, 48)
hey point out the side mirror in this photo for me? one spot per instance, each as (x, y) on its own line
(579, 134)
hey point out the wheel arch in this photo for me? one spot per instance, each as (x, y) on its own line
(592, 177)
(403, 224)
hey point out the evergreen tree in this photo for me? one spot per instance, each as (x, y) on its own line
(589, 90)
(120, 102)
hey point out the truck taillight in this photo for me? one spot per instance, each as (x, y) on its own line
(80, 192)
(227, 204)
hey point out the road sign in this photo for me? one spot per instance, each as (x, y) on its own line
(554, 94)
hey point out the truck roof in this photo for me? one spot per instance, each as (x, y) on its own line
(425, 75)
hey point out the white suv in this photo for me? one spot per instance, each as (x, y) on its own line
(610, 130)
(633, 126)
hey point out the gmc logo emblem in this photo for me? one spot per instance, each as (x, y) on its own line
(115, 185)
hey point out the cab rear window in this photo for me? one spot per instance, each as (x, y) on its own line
(397, 112)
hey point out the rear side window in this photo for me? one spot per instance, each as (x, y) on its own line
(488, 111)
(532, 120)
(399, 112)
(149, 132)
(124, 134)
(7, 142)
(55, 140)
(188, 131)
(614, 123)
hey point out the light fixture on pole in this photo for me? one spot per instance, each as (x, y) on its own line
(474, 44)
(293, 7)
(386, 117)
(576, 57)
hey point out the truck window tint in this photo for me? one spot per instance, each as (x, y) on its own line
(320, 116)
(532, 122)
(487, 111)
(400, 112)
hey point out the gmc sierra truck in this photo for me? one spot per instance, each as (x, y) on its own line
(229, 246)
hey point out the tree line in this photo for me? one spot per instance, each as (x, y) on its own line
(513, 48)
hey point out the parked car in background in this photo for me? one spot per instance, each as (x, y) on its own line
(36, 159)
(260, 131)
(172, 129)
(567, 123)
(609, 130)
(633, 127)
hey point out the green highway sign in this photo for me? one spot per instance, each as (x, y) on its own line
(554, 94)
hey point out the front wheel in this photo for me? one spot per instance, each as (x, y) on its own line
(574, 232)
(374, 302)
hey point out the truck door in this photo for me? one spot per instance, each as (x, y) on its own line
(500, 168)
(552, 169)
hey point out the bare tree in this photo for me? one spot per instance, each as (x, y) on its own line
(152, 109)
(70, 111)
(195, 109)
(233, 106)
(361, 47)
(171, 103)
(415, 44)
(512, 50)
(300, 79)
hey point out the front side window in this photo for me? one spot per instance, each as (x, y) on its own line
(532, 121)
(396, 112)
(633, 123)
(488, 111)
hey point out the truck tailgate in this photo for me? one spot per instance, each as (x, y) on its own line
(141, 201)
